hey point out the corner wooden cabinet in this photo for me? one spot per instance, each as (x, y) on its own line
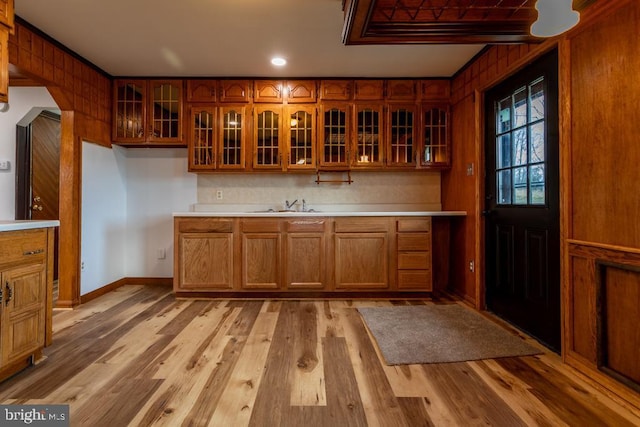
(26, 275)
(148, 112)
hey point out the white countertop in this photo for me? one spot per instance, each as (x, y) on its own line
(318, 214)
(26, 225)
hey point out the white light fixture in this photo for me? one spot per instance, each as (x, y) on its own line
(278, 62)
(554, 17)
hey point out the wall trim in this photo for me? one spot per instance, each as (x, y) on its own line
(148, 281)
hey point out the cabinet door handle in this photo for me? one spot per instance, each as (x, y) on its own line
(1, 293)
(36, 252)
(9, 293)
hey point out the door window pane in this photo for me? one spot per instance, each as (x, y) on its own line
(520, 147)
(520, 186)
(536, 138)
(537, 185)
(504, 115)
(503, 154)
(504, 187)
(536, 98)
(520, 107)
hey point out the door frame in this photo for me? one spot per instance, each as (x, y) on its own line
(479, 156)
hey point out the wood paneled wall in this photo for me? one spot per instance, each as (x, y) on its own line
(83, 95)
(600, 154)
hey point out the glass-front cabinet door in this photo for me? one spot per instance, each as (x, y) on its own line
(232, 137)
(301, 137)
(401, 148)
(165, 110)
(368, 150)
(130, 110)
(202, 150)
(334, 135)
(267, 130)
(435, 136)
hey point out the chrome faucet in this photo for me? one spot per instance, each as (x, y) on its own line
(304, 205)
(289, 206)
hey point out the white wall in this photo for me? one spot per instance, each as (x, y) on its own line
(21, 101)
(104, 216)
(158, 184)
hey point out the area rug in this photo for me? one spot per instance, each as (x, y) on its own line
(439, 334)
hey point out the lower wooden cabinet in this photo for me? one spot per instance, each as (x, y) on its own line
(286, 254)
(25, 297)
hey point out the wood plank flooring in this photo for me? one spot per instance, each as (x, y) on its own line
(137, 356)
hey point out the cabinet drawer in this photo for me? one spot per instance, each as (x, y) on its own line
(305, 225)
(25, 245)
(414, 242)
(361, 225)
(414, 279)
(414, 224)
(260, 225)
(204, 225)
(414, 260)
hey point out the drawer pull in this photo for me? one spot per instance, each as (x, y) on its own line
(318, 222)
(36, 252)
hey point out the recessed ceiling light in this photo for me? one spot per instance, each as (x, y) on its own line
(278, 62)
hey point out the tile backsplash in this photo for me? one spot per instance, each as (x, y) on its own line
(406, 189)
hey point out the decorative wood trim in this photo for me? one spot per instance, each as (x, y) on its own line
(48, 331)
(580, 243)
(305, 295)
(479, 201)
(147, 281)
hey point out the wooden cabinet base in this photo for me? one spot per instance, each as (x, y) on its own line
(308, 294)
(21, 363)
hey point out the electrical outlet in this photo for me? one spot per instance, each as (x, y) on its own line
(82, 266)
(470, 169)
(472, 266)
(4, 165)
(219, 194)
(161, 253)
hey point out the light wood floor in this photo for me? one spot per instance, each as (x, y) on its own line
(137, 356)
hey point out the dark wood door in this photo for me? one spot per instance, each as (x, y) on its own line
(522, 201)
(45, 166)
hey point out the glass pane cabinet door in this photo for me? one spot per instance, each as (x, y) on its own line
(301, 138)
(202, 145)
(401, 132)
(267, 138)
(334, 135)
(165, 114)
(232, 140)
(129, 111)
(368, 127)
(436, 137)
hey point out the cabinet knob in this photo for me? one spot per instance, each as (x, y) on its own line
(9, 293)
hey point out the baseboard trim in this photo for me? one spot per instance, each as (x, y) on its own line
(149, 281)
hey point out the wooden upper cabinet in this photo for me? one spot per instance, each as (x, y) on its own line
(202, 143)
(148, 112)
(401, 90)
(369, 134)
(301, 136)
(7, 14)
(268, 91)
(130, 111)
(336, 90)
(435, 138)
(401, 134)
(435, 90)
(202, 90)
(4, 64)
(334, 134)
(267, 137)
(369, 90)
(301, 91)
(235, 91)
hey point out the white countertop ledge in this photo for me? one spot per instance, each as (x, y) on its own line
(17, 225)
(315, 214)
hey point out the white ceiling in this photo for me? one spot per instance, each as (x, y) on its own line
(229, 38)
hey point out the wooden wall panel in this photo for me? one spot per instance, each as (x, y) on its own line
(583, 308)
(605, 151)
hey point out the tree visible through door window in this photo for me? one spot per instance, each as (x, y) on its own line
(520, 146)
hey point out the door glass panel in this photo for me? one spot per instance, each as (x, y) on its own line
(267, 149)
(335, 128)
(521, 146)
(232, 138)
(537, 187)
(504, 187)
(301, 152)
(503, 154)
(129, 112)
(520, 186)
